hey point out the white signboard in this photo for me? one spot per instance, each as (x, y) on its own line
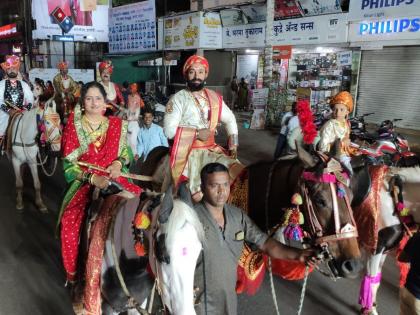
(344, 58)
(321, 29)
(386, 29)
(382, 9)
(249, 35)
(89, 25)
(247, 68)
(192, 31)
(48, 74)
(132, 28)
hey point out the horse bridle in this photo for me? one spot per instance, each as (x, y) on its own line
(54, 118)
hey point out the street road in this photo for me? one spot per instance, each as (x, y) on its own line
(32, 277)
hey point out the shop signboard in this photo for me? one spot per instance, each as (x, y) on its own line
(282, 52)
(323, 29)
(8, 30)
(385, 29)
(244, 36)
(90, 19)
(192, 31)
(310, 7)
(344, 58)
(382, 9)
(48, 74)
(286, 9)
(132, 28)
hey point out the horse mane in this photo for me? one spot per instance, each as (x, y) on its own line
(408, 174)
(153, 158)
(180, 215)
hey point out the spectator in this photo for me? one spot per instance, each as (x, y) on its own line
(125, 91)
(285, 129)
(149, 137)
(410, 293)
(134, 104)
(234, 87)
(243, 95)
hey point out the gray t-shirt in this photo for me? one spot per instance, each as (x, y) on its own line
(218, 261)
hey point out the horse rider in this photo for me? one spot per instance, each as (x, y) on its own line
(15, 95)
(113, 93)
(65, 88)
(191, 118)
(226, 230)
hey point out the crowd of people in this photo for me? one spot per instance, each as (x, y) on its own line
(107, 128)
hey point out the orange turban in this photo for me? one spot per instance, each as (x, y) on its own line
(344, 98)
(133, 87)
(192, 60)
(63, 65)
(10, 61)
(106, 65)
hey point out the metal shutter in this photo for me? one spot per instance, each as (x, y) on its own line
(389, 85)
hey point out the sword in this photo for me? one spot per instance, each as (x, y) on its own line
(128, 175)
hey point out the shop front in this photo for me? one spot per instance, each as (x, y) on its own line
(389, 38)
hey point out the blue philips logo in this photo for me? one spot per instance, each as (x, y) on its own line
(390, 26)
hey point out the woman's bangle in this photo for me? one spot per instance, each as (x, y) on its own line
(91, 178)
(119, 162)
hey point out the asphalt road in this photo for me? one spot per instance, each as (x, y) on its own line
(32, 277)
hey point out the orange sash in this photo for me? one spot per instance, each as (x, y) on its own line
(185, 138)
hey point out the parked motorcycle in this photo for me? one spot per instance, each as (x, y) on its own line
(358, 126)
(157, 104)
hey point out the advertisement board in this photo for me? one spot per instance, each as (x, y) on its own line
(374, 9)
(321, 29)
(192, 31)
(244, 36)
(132, 28)
(90, 19)
(48, 74)
(8, 30)
(310, 7)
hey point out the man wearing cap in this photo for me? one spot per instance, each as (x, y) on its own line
(338, 128)
(113, 93)
(191, 118)
(65, 88)
(15, 94)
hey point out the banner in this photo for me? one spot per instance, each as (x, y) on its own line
(48, 74)
(192, 31)
(310, 7)
(383, 9)
(247, 68)
(387, 29)
(323, 29)
(8, 30)
(286, 9)
(132, 28)
(244, 36)
(90, 19)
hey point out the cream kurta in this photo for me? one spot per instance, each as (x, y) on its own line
(331, 131)
(186, 114)
(183, 112)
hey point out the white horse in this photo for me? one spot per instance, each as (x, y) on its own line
(25, 148)
(390, 228)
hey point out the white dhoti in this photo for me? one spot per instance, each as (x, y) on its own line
(4, 119)
(132, 132)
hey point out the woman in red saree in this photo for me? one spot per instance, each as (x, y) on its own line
(92, 138)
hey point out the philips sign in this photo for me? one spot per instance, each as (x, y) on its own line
(375, 4)
(390, 26)
(361, 10)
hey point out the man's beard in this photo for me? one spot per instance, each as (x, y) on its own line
(12, 75)
(195, 85)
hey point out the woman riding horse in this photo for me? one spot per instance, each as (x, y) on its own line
(91, 138)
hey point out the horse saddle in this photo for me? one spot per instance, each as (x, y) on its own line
(361, 181)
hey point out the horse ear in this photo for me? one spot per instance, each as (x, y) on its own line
(307, 159)
(166, 206)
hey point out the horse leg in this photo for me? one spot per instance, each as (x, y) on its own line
(370, 284)
(37, 184)
(19, 183)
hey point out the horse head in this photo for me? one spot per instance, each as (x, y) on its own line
(51, 127)
(328, 214)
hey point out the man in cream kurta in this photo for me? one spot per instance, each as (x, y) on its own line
(191, 118)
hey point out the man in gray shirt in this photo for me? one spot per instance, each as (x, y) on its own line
(226, 228)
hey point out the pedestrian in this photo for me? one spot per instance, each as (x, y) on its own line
(234, 87)
(284, 130)
(125, 91)
(410, 293)
(91, 137)
(134, 105)
(191, 118)
(243, 95)
(149, 136)
(226, 230)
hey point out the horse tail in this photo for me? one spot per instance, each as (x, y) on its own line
(182, 214)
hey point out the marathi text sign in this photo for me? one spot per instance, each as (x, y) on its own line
(210, 31)
(90, 21)
(382, 9)
(387, 29)
(132, 28)
(249, 35)
(322, 29)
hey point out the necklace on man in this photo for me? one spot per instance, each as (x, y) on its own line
(200, 108)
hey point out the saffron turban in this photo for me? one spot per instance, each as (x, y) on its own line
(106, 65)
(10, 61)
(63, 65)
(133, 87)
(344, 98)
(192, 60)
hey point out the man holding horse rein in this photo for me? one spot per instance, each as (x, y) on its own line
(191, 118)
(226, 229)
(15, 94)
